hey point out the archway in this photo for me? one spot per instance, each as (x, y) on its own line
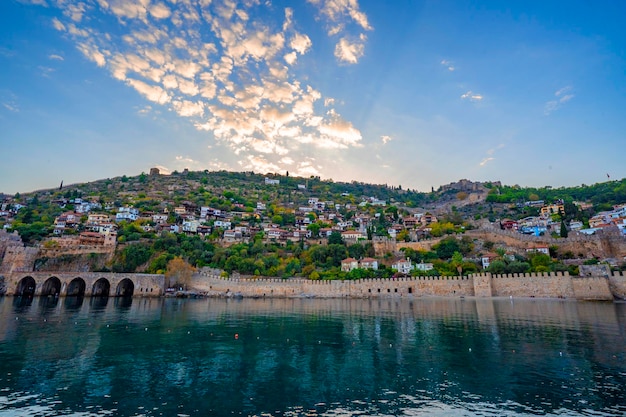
(125, 288)
(52, 286)
(76, 288)
(26, 287)
(101, 288)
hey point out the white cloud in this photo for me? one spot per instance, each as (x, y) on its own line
(151, 92)
(342, 10)
(448, 64)
(472, 96)
(56, 57)
(160, 11)
(11, 107)
(300, 43)
(484, 161)
(385, 139)
(561, 96)
(350, 52)
(230, 73)
(188, 108)
(56, 23)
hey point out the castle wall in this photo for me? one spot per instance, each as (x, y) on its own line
(555, 285)
(617, 284)
(546, 285)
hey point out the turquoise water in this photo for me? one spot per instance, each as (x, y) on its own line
(308, 357)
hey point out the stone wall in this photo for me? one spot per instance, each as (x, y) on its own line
(540, 285)
(145, 285)
(617, 284)
(18, 258)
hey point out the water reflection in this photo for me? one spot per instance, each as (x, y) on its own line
(315, 357)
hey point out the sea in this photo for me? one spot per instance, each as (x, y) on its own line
(311, 357)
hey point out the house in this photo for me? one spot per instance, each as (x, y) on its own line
(159, 218)
(97, 218)
(349, 264)
(424, 266)
(269, 181)
(403, 266)
(368, 263)
(191, 226)
(539, 248)
(127, 214)
(508, 224)
(487, 258)
(352, 236)
(232, 235)
(223, 224)
(547, 211)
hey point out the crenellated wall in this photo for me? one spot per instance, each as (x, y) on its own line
(540, 285)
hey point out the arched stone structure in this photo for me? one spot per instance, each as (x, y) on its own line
(26, 287)
(76, 288)
(101, 288)
(87, 284)
(125, 288)
(52, 286)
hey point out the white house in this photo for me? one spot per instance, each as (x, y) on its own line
(424, 266)
(403, 266)
(127, 213)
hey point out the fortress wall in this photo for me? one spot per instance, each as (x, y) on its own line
(418, 286)
(617, 284)
(591, 288)
(19, 258)
(553, 285)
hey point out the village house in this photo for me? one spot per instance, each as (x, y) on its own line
(487, 258)
(538, 248)
(424, 266)
(97, 218)
(403, 266)
(129, 214)
(349, 264)
(368, 263)
(547, 211)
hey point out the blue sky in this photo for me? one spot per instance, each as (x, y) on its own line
(411, 93)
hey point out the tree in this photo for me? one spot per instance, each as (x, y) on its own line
(457, 262)
(335, 238)
(563, 229)
(179, 272)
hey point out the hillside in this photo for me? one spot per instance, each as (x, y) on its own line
(280, 225)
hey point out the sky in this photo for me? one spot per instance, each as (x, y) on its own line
(406, 93)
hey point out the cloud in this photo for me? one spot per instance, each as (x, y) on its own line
(561, 96)
(342, 11)
(490, 153)
(385, 139)
(350, 51)
(11, 107)
(56, 57)
(448, 64)
(484, 161)
(472, 96)
(227, 67)
(339, 16)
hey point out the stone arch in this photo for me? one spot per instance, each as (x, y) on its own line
(26, 287)
(52, 286)
(125, 288)
(101, 288)
(76, 287)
